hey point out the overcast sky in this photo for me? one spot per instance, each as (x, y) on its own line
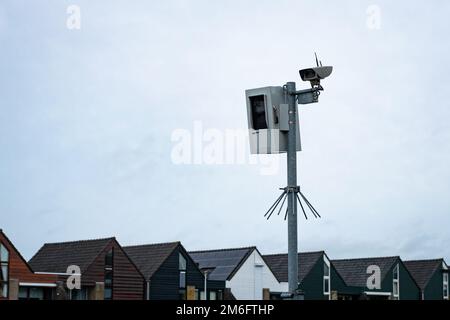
(87, 116)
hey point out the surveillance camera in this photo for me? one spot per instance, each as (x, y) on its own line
(314, 75)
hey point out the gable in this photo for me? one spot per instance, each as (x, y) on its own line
(423, 270)
(95, 270)
(149, 258)
(14, 254)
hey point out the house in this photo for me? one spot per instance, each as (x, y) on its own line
(244, 270)
(17, 278)
(107, 273)
(314, 276)
(432, 278)
(396, 282)
(171, 274)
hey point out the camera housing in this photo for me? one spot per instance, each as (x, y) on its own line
(314, 75)
(268, 120)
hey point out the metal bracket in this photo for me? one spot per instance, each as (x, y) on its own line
(282, 199)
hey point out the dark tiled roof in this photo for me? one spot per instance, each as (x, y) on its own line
(354, 271)
(279, 264)
(423, 270)
(148, 258)
(56, 257)
(223, 262)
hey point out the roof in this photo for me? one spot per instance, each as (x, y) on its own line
(224, 263)
(148, 258)
(15, 249)
(279, 264)
(56, 257)
(423, 270)
(354, 271)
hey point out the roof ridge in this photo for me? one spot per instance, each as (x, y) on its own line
(352, 259)
(78, 241)
(152, 244)
(424, 260)
(284, 254)
(222, 250)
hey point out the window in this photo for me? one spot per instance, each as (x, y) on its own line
(108, 293)
(109, 274)
(326, 277)
(212, 295)
(197, 294)
(108, 277)
(182, 269)
(396, 283)
(109, 259)
(36, 294)
(23, 293)
(4, 271)
(32, 293)
(182, 279)
(182, 262)
(79, 294)
(446, 296)
(182, 294)
(258, 108)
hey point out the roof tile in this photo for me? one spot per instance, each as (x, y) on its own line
(354, 271)
(56, 257)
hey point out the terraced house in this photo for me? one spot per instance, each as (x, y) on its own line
(244, 270)
(171, 274)
(397, 283)
(432, 278)
(314, 276)
(107, 273)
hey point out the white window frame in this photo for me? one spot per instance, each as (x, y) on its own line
(396, 282)
(445, 284)
(327, 278)
(445, 281)
(5, 263)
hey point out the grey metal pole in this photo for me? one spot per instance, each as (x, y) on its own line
(292, 185)
(205, 284)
